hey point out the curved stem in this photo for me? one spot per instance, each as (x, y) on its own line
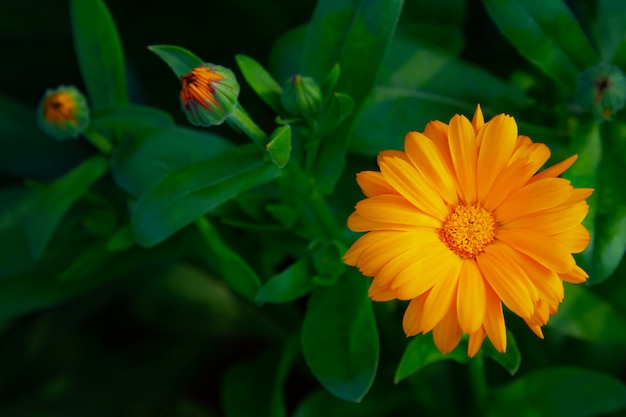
(99, 141)
(241, 121)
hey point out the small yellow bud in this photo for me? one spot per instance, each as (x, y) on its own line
(63, 113)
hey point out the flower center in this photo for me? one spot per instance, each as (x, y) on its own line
(58, 108)
(468, 229)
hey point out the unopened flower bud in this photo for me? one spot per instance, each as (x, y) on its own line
(301, 96)
(63, 113)
(602, 90)
(209, 94)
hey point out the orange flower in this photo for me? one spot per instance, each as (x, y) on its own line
(461, 222)
(63, 113)
(209, 94)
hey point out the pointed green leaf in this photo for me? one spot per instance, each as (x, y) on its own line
(421, 351)
(291, 284)
(54, 201)
(261, 81)
(147, 154)
(355, 34)
(587, 316)
(340, 339)
(340, 106)
(195, 190)
(227, 263)
(547, 34)
(608, 31)
(559, 392)
(279, 146)
(87, 261)
(511, 359)
(99, 53)
(180, 60)
(130, 116)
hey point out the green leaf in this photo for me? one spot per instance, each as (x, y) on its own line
(340, 339)
(88, 261)
(180, 60)
(354, 34)
(608, 31)
(130, 116)
(547, 34)
(228, 264)
(338, 109)
(559, 392)
(121, 239)
(421, 351)
(148, 154)
(99, 53)
(587, 316)
(410, 94)
(284, 60)
(291, 284)
(261, 81)
(511, 359)
(54, 201)
(279, 146)
(195, 190)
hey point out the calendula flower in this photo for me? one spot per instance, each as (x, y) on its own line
(209, 94)
(63, 113)
(461, 223)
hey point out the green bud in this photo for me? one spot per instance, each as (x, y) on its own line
(63, 113)
(209, 94)
(602, 90)
(301, 97)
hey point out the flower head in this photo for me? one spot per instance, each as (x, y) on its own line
(461, 223)
(301, 96)
(601, 89)
(63, 113)
(209, 94)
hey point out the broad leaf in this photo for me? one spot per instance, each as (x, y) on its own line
(559, 392)
(195, 190)
(421, 351)
(587, 316)
(147, 154)
(130, 116)
(279, 146)
(99, 53)
(547, 34)
(340, 339)
(54, 201)
(261, 81)
(180, 60)
(291, 284)
(608, 31)
(511, 359)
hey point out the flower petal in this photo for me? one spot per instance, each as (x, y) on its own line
(533, 198)
(557, 169)
(440, 300)
(510, 179)
(576, 239)
(494, 320)
(377, 293)
(552, 221)
(470, 301)
(546, 250)
(447, 334)
(478, 119)
(413, 315)
(464, 153)
(497, 141)
(475, 341)
(373, 183)
(395, 210)
(413, 186)
(426, 158)
(576, 276)
(420, 276)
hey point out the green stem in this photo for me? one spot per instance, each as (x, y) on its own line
(478, 379)
(240, 120)
(99, 141)
(311, 154)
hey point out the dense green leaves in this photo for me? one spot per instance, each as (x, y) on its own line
(99, 53)
(566, 392)
(547, 34)
(195, 190)
(292, 283)
(180, 60)
(355, 34)
(53, 201)
(339, 337)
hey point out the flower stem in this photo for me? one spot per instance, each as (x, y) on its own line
(240, 120)
(478, 379)
(99, 141)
